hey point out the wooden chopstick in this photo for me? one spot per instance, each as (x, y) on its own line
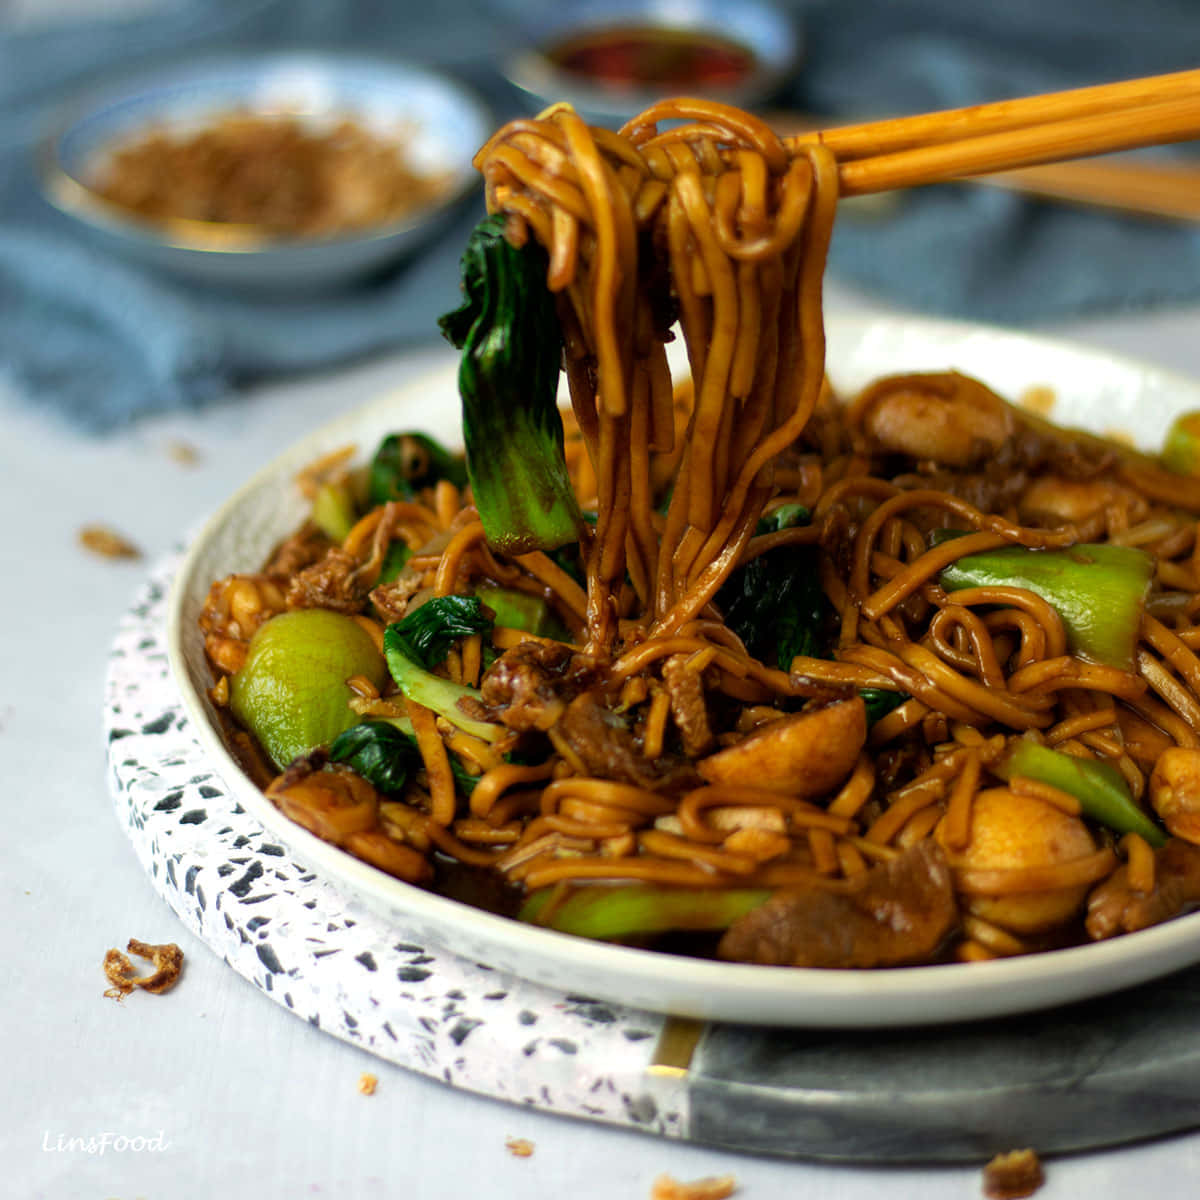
(1101, 133)
(1014, 133)
(1153, 189)
(872, 138)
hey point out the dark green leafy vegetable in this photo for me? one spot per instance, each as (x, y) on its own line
(434, 692)
(775, 603)
(384, 752)
(1098, 590)
(380, 751)
(421, 641)
(407, 462)
(879, 702)
(508, 332)
(786, 516)
(621, 912)
(426, 634)
(1098, 786)
(411, 673)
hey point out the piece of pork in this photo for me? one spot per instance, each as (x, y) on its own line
(392, 600)
(305, 547)
(900, 914)
(331, 583)
(685, 690)
(1114, 907)
(603, 741)
(530, 686)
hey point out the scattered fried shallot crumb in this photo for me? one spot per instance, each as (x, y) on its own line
(519, 1147)
(367, 1083)
(183, 453)
(1013, 1175)
(167, 960)
(715, 1187)
(269, 170)
(99, 539)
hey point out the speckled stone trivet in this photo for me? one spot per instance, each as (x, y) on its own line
(1096, 1074)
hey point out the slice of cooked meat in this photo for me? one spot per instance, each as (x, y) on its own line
(392, 600)
(301, 550)
(530, 686)
(900, 914)
(329, 583)
(685, 690)
(606, 745)
(1115, 907)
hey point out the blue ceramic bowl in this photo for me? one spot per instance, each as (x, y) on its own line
(444, 125)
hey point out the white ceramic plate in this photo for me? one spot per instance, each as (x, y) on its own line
(1092, 389)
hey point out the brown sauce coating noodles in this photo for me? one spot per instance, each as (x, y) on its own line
(667, 752)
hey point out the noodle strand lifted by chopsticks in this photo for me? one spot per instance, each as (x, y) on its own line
(749, 289)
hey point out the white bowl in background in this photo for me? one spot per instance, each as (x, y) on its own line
(444, 125)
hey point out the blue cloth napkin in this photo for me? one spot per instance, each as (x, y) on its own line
(973, 252)
(103, 341)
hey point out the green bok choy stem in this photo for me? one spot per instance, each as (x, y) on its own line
(618, 912)
(1098, 590)
(507, 329)
(1098, 786)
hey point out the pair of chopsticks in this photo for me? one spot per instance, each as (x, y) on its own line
(1133, 186)
(958, 143)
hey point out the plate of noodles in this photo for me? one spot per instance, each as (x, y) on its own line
(812, 678)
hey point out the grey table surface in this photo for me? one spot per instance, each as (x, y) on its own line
(238, 1097)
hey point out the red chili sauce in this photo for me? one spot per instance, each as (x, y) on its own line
(628, 56)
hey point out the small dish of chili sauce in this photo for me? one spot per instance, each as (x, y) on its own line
(611, 59)
(640, 56)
